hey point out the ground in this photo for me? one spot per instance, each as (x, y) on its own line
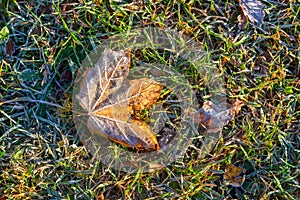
(42, 46)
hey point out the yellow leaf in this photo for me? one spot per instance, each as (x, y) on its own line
(235, 175)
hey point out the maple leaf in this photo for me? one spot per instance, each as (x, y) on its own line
(109, 98)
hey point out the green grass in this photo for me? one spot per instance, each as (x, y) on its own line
(42, 157)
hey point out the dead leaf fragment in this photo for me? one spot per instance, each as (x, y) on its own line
(253, 10)
(10, 48)
(214, 117)
(105, 94)
(242, 21)
(234, 175)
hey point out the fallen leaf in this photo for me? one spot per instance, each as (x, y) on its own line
(242, 21)
(10, 48)
(234, 175)
(213, 117)
(253, 10)
(109, 98)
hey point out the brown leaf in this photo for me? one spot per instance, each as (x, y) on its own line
(145, 93)
(214, 118)
(242, 21)
(253, 10)
(10, 48)
(106, 94)
(234, 175)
